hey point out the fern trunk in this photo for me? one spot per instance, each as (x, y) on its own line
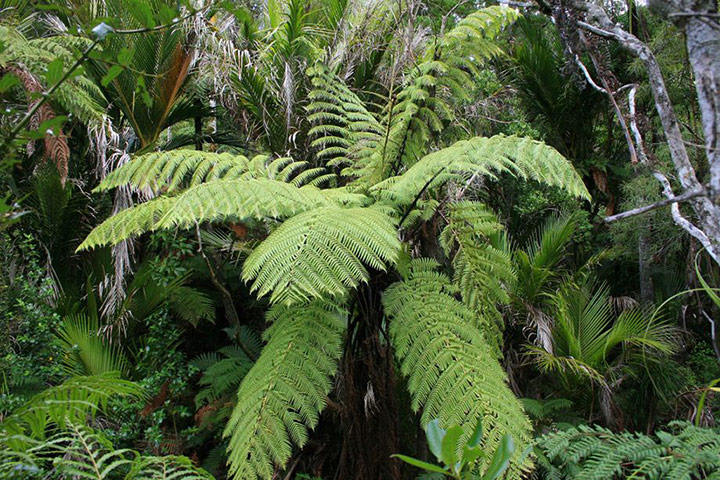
(367, 387)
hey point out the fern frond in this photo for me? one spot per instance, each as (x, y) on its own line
(483, 273)
(281, 397)
(72, 402)
(524, 157)
(208, 202)
(169, 467)
(681, 452)
(453, 374)
(322, 252)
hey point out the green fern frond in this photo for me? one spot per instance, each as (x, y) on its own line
(72, 401)
(223, 371)
(322, 252)
(169, 467)
(127, 224)
(453, 374)
(682, 452)
(207, 202)
(483, 273)
(281, 397)
(524, 157)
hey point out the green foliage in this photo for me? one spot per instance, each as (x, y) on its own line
(222, 371)
(86, 350)
(281, 397)
(445, 445)
(681, 452)
(29, 358)
(70, 402)
(82, 453)
(322, 253)
(487, 157)
(452, 371)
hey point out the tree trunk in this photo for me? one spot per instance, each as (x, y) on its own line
(703, 37)
(369, 410)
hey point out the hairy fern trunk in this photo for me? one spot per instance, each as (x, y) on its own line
(369, 417)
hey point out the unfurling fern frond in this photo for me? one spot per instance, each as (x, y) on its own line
(322, 252)
(682, 452)
(523, 157)
(281, 397)
(72, 401)
(453, 374)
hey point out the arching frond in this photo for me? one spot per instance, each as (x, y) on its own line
(72, 401)
(453, 374)
(483, 273)
(524, 157)
(322, 252)
(209, 202)
(282, 396)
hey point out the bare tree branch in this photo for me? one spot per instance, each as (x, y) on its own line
(654, 206)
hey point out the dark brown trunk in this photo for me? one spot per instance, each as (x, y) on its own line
(369, 410)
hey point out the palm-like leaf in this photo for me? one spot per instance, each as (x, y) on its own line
(86, 350)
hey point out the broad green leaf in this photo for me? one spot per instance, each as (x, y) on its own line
(450, 445)
(7, 82)
(435, 436)
(501, 459)
(477, 434)
(112, 72)
(125, 56)
(54, 71)
(420, 464)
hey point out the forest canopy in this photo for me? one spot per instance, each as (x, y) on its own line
(359, 239)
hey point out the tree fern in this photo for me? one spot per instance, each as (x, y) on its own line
(281, 397)
(323, 252)
(681, 452)
(453, 374)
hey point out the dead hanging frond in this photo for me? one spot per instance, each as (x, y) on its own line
(55, 144)
(622, 303)
(539, 325)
